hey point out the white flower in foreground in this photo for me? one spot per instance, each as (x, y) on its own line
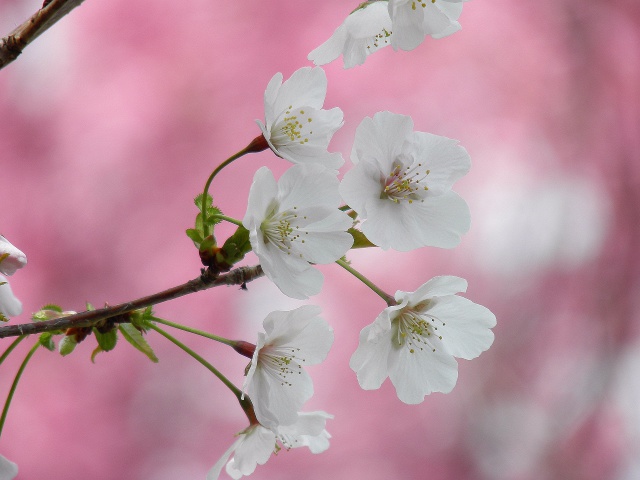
(412, 20)
(11, 259)
(401, 185)
(276, 382)
(366, 30)
(296, 127)
(255, 444)
(414, 342)
(8, 469)
(10, 306)
(294, 222)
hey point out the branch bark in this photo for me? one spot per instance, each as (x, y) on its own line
(12, 45)
(90, 318)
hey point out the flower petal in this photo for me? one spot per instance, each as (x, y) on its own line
(466, 333)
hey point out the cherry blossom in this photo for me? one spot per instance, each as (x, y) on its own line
(11, 259)
(10, 306)
(412, 20)
(296, 221)
(256, 443)
(415, 342)
(296, 127)
(8, 469)
(366, 30)
(401, 184)
(276, 382)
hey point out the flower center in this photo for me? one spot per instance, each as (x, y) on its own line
(422, 4)
(294, 127)
(379, 38)
(281, 363)
(281, 230)
(405, 183)
(416, 329)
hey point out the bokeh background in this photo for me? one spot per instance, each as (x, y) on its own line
(113, 119)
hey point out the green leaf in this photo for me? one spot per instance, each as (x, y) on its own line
(359, 239)
(198, 201)
(51, 306)
(95, 352)
(46, 340)
(90, 307)
(141, 318)
(107, 341)
(67, 345)
(135, 338)
(236, 246)
(195, 236)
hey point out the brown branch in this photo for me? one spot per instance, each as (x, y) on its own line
(53, 10)
(239, 276)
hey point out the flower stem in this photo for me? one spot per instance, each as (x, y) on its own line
(236, 391)
(257, 145)
(381, 293)
(14, 385)
(228, 219)
(195, 331)
(10, 348)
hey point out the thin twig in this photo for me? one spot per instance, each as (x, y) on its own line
(12, 45)
(90, 318)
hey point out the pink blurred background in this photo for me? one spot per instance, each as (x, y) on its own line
(113, 119)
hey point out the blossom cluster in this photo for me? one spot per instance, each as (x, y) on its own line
(398, 195)
(375, 24)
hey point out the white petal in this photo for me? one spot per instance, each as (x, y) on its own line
(466, 333)
(8, 469)
(311, 185)
(436, 287)
(381, 138)
(302, 329)
(10, 306)
(293, 276)
(306, 86)
(263, 191)
(441, 221)
(437, 20)
(446, 160)
(276, 402)
(422, 372)
(270, 95)
(14, 260)
(331, 49)
(214, 473)
(360, 187)
(370, 361)
(408, 30)
(255, 450)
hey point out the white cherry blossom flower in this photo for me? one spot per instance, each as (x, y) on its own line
(414, 342)
(296, 221)
(11, 259)
(276, 382)
(366, 30)
(10, 306)
(296, 127)
(401, 185)
(412, 20)
(8, 469)
(256, 443)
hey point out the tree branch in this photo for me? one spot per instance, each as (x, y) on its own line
(12, 45)
(90, 318)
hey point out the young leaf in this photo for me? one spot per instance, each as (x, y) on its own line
(195, 236)
(67, 345)
(107, 341)
(132, 335)
(46, 340)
